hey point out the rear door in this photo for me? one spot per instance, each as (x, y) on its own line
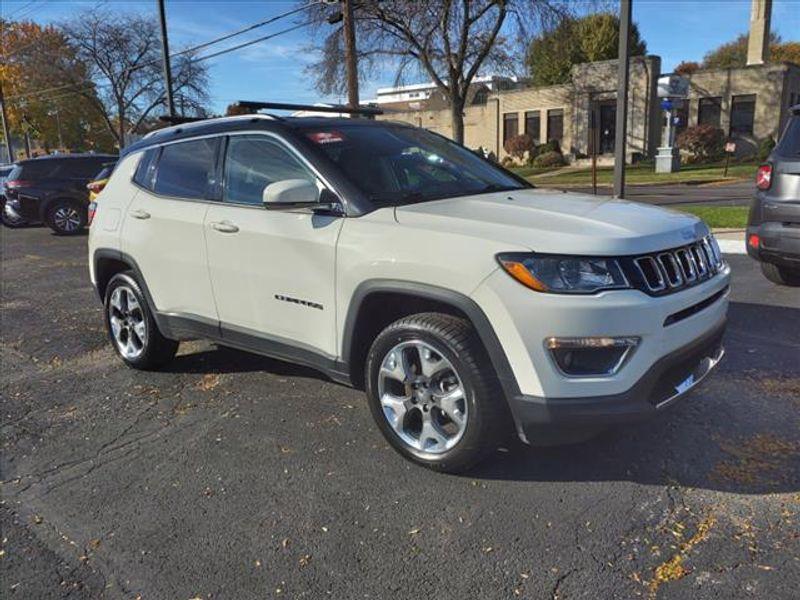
(163, 227)
(272, 271)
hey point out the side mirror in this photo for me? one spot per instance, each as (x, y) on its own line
(290, 193)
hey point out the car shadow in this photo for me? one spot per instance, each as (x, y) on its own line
(224, 359)
(737, 433)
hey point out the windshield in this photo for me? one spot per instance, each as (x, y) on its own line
(397, 165)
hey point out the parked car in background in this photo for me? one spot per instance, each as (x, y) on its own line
(52, 190)
(464, 301)
(8, 220)
(99, 181)
(773, 230)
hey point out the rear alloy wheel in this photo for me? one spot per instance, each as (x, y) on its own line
(433, 392)
(781, 275)
(131, 326)
(66, 217)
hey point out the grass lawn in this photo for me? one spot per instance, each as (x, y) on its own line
(734, 217)
(644, 174)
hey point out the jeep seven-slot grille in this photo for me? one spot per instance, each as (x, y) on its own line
(670, 271)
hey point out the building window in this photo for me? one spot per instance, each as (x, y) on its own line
(533, 125)
(680, 114)
(743, 111)
(510, 126)
(555, 125)
(708, 111)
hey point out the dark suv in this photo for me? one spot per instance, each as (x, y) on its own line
(773, 230)
(52, 190)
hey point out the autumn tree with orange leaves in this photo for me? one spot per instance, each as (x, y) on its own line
(37, 68)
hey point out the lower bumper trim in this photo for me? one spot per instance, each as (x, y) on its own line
(665, 383)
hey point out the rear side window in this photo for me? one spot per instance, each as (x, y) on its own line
(790, 140)
(146, 169)
(187, 169)
(39, 169)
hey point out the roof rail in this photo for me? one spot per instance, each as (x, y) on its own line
(368, 111)
(179, 120)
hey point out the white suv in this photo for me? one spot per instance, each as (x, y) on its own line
(461, 298)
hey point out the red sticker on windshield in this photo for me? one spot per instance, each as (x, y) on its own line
(326, 137)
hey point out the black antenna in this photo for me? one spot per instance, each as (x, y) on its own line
(367, 111)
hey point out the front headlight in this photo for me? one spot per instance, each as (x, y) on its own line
(564, 274)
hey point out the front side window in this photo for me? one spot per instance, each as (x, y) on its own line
(254, 162)
(555, 125)
(743, 111)
(396, 164)
(708, 111)
(187, 169)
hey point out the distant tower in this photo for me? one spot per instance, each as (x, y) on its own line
(758, 40)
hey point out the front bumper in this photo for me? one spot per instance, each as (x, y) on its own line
(680, 344)
(662, 386)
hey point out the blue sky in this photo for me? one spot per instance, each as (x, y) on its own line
(676, 30)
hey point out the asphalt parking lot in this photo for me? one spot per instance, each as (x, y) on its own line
(229, 475)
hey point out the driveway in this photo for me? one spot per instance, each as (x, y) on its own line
(228, 475)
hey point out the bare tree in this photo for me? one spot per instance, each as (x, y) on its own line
(449, 41)
(125, 79)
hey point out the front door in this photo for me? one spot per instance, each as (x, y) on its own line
(272, 271)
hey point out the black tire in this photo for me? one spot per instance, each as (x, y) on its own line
(488, 421)
(781, 275)
(156, 349)
(72, 225)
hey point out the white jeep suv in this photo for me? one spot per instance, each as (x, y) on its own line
(463, 300)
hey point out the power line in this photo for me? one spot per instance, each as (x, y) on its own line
(88, 83)
(191, 49)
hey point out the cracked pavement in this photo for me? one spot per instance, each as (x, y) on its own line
(229, 475)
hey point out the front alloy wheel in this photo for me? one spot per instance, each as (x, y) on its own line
(433, 392)
(422, 397)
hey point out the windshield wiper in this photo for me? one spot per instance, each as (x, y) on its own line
(495, 187)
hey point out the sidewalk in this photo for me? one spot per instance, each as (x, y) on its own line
(731, 241)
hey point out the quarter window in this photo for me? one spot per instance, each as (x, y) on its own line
(187, 169)
(254, 162)
(146, 169)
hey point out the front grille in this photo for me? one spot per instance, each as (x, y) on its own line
(673, 270)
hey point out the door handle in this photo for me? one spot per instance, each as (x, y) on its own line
(225, 227)
(139, 214)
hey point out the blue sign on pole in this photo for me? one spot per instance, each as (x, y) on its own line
(666, 104)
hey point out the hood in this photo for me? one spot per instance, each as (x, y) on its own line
(556, 222)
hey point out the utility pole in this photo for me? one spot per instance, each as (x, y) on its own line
(621, 133)
(165, 54)
(350, 56)
(6, 132)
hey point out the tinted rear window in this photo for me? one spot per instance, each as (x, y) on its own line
(187, 169)
(39, 169)
(790, 140)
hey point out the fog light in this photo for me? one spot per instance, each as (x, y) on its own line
(590, 356)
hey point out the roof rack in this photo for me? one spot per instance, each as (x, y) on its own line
(367, 111)
(179, 120)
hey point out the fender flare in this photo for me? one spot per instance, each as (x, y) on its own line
(457, 300)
